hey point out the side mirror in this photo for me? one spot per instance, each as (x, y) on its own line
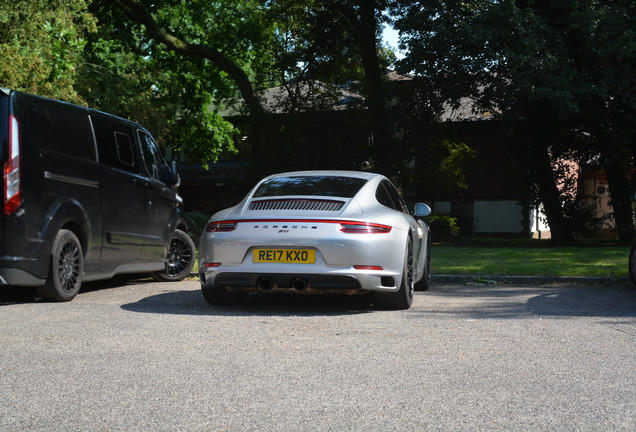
(174, 175)
(422, 210)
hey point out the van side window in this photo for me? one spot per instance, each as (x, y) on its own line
(155, 164)
(60, 129)
(124, 149)
(115, 143)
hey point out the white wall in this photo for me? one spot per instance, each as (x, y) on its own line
(501, 217)
(498, 217)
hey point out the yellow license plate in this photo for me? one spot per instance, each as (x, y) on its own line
(284, 256)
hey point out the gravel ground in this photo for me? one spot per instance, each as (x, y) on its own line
(151, 356)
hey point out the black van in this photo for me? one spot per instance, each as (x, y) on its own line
(86, 195)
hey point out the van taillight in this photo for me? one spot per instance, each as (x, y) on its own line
(12, 176)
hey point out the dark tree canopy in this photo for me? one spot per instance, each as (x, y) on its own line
(563, 72)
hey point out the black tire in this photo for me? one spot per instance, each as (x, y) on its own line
(632, 265)
(425, 283)
(180, 259)
(66, 270)
(402, 298)
(220, 296)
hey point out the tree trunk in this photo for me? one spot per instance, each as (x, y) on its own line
(543, 175)
(383, 159)
(616, 171)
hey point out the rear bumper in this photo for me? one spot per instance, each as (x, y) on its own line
(19, 277)
(339, 283)
(285, 280)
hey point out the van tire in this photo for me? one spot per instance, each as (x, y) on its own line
(66, 269)
(180, 259)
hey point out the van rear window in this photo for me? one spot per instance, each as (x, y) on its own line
(57, 128)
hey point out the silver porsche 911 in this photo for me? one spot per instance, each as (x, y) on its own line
(317, 232)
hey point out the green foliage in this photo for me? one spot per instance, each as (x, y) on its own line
(276, 43)
(127, 74)
(443, 227)
(439, 165)
(566, 68)
(567, 58)
(196, 224)
(41, 45)
(315, 40)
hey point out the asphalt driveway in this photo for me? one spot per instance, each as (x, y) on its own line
(152, 356)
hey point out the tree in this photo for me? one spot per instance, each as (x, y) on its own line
(280, 47)
(126, 74)
(41, 45)
(248, 46)
(340, 45)
(553, 69)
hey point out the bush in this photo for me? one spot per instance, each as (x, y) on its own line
(196, 224)
(443, 227)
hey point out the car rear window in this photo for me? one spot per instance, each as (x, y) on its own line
(345, 187)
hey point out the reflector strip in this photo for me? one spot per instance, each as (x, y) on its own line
(368, 267)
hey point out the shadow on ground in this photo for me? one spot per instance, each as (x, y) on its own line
(19, 295)
(192, 303)
(517, 302)
(604, 301)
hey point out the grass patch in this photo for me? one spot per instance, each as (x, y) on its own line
(524, 257)
(530, 259)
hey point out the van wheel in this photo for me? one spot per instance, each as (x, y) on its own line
(180, 259)
(66, 270)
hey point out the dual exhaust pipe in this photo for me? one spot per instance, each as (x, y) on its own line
(268, 284)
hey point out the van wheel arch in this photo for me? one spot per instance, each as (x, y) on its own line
(80, 233)
(69, 216)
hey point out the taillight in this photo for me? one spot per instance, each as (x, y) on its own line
(364, 228)
(12, 175)
(221, 226)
